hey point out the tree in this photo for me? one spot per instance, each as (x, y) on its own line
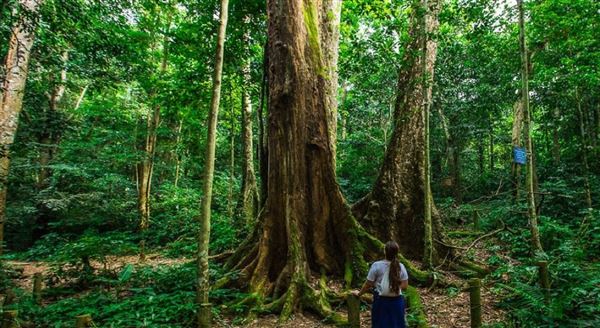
(145, 168)
(306, 225)
(49, 140)
(395, 207)
(11, 97)
(248, 201)
(531, 203)
(203, 283)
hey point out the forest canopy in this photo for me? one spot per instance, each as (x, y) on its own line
(195, 163)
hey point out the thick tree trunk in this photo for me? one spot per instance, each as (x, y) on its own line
(262, 133)
(531, 199)
(394, 209)
(330, 35)
(11, 95)
(145, 168)
(306, 225)
(202, 282)
(248, 201)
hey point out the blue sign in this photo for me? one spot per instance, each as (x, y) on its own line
(520, 155)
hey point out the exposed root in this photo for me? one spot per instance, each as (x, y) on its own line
(415, 308)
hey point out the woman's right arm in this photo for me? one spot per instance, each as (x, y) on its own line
(367, 286)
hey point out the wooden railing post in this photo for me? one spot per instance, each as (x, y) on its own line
(205, 315)
(83, 321)
(353, 311)
(544, 279)
(9, 319)
(475, 298)
(37, 288)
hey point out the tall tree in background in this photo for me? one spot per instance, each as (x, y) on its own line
(395, 208)
(145, 167)
(49, 139)
(248, 201)
(202, 282)
(13, 87)
(531, 202)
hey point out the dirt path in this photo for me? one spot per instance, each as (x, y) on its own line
(443, 309)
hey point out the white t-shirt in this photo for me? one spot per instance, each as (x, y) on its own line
(377, 271)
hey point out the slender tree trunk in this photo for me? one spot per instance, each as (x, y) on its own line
(481, 155)
(11, 96)
(531, 201)
(49, 140)
(230, 201)
(248, 201)
(394, 209)
(517, 131)
(81, 96)
(202, 281)
(555, 136)
(145, 168)
(584, 151)
(51, 135)
(177, 154)
(491, 150)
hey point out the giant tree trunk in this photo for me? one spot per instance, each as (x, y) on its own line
(248, 201)
(145, 167)
(262, 150)
(203, 312)
(329, 37)
(306, 225)
(11, 95)
(394, 209)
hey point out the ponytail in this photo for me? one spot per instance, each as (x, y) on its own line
(391, 254)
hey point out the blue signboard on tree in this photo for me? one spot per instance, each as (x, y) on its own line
(520, 155)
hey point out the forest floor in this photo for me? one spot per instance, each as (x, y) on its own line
(444, 308)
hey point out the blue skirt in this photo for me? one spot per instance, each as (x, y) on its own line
(388, 312)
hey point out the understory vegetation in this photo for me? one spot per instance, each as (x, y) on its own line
(115, 112)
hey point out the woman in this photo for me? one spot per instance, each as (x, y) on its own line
(389, 278)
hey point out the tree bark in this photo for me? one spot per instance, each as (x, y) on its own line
(262, 133)
(248, 201)
(202, 281)
(394, 209)
(531, 199)
(329, 24)
(306, 225)
(11, 95)
(517, 141)
(145, 168)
